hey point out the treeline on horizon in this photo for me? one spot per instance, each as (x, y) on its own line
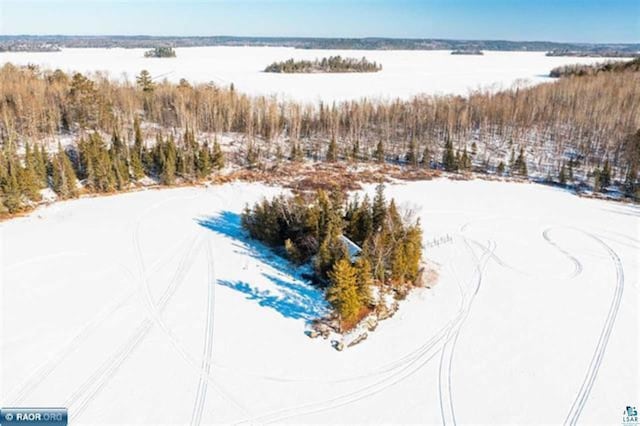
(328, 65)
(22, 42)
(586, 122)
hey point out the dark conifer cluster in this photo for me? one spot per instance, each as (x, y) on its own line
(102, 167)
(330, 64)
(353, 245)
(161, 52)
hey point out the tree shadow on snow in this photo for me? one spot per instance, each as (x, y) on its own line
(292, 298)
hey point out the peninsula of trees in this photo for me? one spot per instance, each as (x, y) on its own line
(325, 65)
(160, 52)
(582, 70)
(352, 245)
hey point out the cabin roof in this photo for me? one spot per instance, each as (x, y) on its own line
(353, 249)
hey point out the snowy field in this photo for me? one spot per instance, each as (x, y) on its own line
(404, 74)
(152, 307)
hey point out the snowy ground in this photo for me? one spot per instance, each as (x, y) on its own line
(152, 307)
(404, 74)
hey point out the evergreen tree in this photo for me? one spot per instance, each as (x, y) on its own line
(364, 279)
(413, 252)
(332, 151)
(342, 293)
(500, 169)
(425, 157)
(520, 164)
(63, 178)
(465, 160)
(144, 81)
(378, 154)
(30, 183)
(605, 175)
(379, 209)
(562, 176)
(360, 224)
(597, 180)
(448, 158)
(217, 157)
(355, 150)
(412, 153)
(204, 167)
(169, 161)
(330, 251)
(137, 153)
(11, 190)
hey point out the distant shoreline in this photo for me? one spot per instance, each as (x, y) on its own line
(39, 43)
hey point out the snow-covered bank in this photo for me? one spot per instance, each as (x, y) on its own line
(152, 307)
(404, 73)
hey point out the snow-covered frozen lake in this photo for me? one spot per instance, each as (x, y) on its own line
(151, 307)
(404, 74)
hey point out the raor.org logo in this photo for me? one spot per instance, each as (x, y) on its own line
(8, 417)
(630, 416)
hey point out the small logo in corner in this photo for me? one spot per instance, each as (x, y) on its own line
(630, 416)
(8, 417)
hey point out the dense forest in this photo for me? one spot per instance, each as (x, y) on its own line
(567, 132)
(160, 52)
(330, 64)
(311, 228)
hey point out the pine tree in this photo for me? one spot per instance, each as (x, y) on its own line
(448, 158)
(605, 175)
(465, 161)
(136, 154)
(500, 169)
(355, 150)
(11, 184)
(332, 151)
(28, 179)
(360, 222)
(562, 176)
(144, 81)
(520, 164)
(41, 159)
(204, 167)
(412, 153)
(413, 251)
(379, 209)
(169, 162)
(378, 154)
(63, 177)
(342, 293)
(425, 157)
(364, 279)
(217, 157)
(597, 180)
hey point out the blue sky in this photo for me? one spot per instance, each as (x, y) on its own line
(559, 20)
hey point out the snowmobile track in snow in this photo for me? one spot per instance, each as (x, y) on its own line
(598, 354)
(79, 400)
(445, 388)
(201, 393)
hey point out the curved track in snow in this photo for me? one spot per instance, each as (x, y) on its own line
(598, 354)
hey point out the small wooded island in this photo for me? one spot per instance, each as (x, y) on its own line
(358, 249)
(161, 52)
(467, 52)
(324, 65)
